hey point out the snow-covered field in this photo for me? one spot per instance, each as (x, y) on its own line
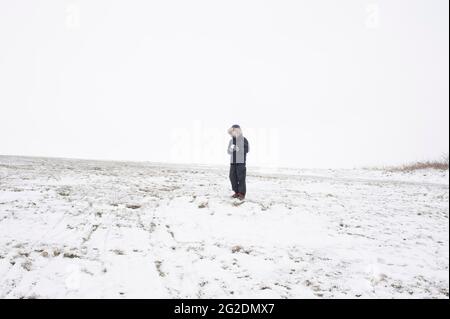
(71, 228)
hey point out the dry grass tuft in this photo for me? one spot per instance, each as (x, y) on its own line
(441, 165)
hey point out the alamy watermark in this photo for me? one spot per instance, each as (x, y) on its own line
(372, 18)
(200, 143)
(72, 15)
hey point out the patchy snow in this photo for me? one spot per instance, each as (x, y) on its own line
(91, 229)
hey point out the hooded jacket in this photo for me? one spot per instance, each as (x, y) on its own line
(238, 147)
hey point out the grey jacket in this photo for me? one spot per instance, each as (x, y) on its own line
(238, 148)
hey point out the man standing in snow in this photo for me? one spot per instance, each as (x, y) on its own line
(238, 148)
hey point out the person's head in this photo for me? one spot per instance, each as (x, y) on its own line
(235, 130)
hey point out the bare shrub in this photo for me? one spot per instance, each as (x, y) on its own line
(441, 165)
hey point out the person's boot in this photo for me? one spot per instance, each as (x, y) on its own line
(235, 195)
(241, 196)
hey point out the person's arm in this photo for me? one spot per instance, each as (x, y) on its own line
(246, 146)
(229, 151)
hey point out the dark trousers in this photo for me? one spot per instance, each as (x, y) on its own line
(237, 177)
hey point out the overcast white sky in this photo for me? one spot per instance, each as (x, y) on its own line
(313, 83)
